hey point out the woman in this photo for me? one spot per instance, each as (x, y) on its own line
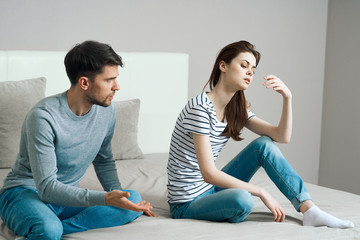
(196, 188)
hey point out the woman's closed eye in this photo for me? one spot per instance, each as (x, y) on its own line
(245, 66)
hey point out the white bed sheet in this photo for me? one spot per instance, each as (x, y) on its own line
(148, 176)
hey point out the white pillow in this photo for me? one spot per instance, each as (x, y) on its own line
(124, 142)
(16, 99)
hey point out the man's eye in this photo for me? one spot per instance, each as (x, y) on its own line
(243, 66)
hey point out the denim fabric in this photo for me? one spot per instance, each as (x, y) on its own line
(234, 205)
(24, 213)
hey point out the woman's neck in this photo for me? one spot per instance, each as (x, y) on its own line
(220, 98)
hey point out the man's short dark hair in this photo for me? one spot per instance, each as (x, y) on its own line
(88, 59)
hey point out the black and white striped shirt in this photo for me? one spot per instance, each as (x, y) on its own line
(185, 181)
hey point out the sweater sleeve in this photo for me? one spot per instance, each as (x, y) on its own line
(42, 158)
(104, 163)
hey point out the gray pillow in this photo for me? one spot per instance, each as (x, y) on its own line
(124, 143)
(16, 99)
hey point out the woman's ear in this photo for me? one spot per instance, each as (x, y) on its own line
(222, 66)
(83, 83)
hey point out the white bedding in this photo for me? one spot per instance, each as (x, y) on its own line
(148, 176)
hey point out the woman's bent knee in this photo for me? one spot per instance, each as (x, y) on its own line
(242, 204)
(243, 199)
(264, 144)
(263, 140)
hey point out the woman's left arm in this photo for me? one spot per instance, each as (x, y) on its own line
(282, 132)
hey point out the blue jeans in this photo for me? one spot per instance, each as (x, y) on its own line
(234, 205)
(25, 214)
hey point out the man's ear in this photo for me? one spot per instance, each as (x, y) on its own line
(222, 66)
(84, 82)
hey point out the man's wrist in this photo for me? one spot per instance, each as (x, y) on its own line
(107, 198)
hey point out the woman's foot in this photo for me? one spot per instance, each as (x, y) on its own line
(316, 217)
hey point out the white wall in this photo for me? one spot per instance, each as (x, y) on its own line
(340, 157)
(290, 34)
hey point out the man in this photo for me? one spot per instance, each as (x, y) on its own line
(61, 136)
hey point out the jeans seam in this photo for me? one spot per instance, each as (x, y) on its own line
(283, 180)
(237, 165)
(260, 153)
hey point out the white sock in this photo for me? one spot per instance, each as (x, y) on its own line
(316, 217)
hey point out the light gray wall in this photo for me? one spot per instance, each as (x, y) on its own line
(340, 157)
(290, 34)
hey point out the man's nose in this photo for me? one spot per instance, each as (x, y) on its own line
(116, 86)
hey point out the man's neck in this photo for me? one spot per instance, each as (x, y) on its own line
(77, 101)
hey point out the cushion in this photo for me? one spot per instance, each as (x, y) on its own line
(124, 142)
(16, 98)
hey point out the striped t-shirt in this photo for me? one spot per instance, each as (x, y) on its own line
(185, 181)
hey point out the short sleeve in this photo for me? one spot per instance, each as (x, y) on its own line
(250, 114)
(197, 120)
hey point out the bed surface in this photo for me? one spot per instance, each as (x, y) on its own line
(160, 72)
(148, 176)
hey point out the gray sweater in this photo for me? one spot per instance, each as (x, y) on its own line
(57, 147)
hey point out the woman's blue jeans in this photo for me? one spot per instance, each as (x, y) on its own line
(25, 214)
(234, 205)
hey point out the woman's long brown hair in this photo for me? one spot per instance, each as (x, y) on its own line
(236, 110)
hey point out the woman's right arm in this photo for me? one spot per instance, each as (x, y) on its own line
(220, 179)
(213, 175)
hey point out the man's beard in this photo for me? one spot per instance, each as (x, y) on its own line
(92, 100)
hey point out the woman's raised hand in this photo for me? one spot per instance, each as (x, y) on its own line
(271, 81)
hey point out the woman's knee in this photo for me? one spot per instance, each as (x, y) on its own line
(241, 202)
(264, 144)
(263, 141)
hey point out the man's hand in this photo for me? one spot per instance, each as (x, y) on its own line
(150, 214)
(119, 199)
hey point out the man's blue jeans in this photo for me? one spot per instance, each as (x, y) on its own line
(25, 214)
(234, 205)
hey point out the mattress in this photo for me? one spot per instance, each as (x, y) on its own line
(148, 176)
